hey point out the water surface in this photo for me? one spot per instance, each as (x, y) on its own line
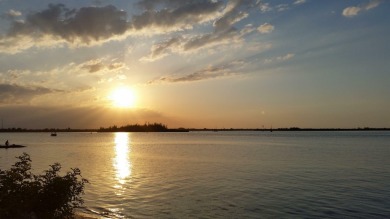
(221, 174)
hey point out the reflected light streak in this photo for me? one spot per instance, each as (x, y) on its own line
(122, 163)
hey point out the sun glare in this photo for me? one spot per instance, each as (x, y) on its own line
(123, 97)
(122, 163)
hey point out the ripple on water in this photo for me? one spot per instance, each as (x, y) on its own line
(225, 174)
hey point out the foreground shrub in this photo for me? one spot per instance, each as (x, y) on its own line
(25, 195)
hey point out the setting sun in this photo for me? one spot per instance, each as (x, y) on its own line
(123, 97)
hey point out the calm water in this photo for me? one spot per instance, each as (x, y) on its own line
(221, 174)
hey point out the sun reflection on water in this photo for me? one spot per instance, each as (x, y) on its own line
(122, 162)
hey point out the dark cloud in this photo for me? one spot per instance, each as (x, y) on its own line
(16, 94)
(85, 24)
(179, 14)
(101, 23)
(89, 25)
(224, 32)
(116, 65)
(93, 66)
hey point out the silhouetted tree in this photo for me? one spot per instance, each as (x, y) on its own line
(147, 127)
(25, 195)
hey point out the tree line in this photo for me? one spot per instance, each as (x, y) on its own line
(147, 127)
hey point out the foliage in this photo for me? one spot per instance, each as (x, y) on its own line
(147, 127)
(25, 195)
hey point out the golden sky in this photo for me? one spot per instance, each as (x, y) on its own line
(195, 64)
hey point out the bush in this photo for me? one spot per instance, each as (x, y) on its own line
(25, 195)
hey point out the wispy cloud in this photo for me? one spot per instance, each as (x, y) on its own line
(17, 94)
(265, 28)
(68, 77)
(265, 7)
(188, 44)
(224, 33)
(282, 7)
(280, 58)
(211, 72)
(176, 15)
(298, 2)
(161, 49)
(98, 65)
(355, 10)
(286, 57)
(13, 13)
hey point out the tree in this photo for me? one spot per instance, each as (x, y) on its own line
(49, 195)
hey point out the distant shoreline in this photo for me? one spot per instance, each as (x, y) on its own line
(196, 129)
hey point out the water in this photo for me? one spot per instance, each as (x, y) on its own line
(221, 174)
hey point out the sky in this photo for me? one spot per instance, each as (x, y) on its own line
(195, 63)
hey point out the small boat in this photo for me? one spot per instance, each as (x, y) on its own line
(53, 134)
(12, 146)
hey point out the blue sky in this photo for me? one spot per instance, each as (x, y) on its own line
(205, 63)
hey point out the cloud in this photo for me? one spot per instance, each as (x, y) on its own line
(154, 4)
(59, 25)
(351, 11)
(224, 33)
(234, 12)
(280, 58)
(355, 10)
(12, 75)
(205, 74)
(67, 77)
(17, 94)
(298, 2)
(282, 7)
(286, 57)
(159, 50)
(176, 15)
(265, 28)
(85, 24)
(97, 65)
(264, 7)
(93, 66)
(17, 44)
(189, 44)
(13, 13)
(211, 72)
(372, 4)
(230, 36)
